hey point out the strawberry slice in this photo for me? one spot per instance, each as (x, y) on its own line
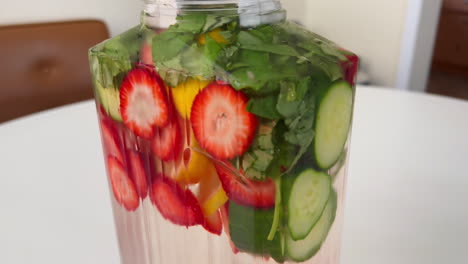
(350, 67)
(220, 121)
(167, 143)
(138, 173)
(110, 140)
(245, 191)
(213, 223)
(143, 101)
(122, 186)
(175, 204)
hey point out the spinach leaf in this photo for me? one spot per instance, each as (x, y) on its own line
(248, 41)
(168, 45)
(330, 66)
(264, 106)
(195, 63)
(215, 21)
(287, 105)
(116, 57)
(212, 48)
(332, 50)
(254, 70)
(249, 228)
(190, 23)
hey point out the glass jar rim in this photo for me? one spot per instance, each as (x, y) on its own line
(250, 12)
(211, 5)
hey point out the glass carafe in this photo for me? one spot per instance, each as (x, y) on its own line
(225, 130)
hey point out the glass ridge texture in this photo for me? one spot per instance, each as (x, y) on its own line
(225, 129)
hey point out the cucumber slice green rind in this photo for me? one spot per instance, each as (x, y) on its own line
(332, 123)
(305, 249)
(110, 101)
(307, 200)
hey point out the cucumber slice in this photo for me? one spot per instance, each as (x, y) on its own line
(110, 101)
(332, 123)
(303, 250)
(308, 198)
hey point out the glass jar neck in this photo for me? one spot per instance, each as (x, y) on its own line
(163, 13)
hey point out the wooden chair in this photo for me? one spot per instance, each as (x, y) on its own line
(46, 65)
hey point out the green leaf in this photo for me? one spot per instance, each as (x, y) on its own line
(226, 34)
(311, 47)
(249, 77)
(226, 56)
(297, 33)
(171, 77)
(190, 22)
(328, 65)
(257, 160)
(264, 107)
(195, 63)
(332, 50)
(172, 71)
(212, 48)
(116, 57)
(248, 58)
(287, 104)
(266, 33)
(215, 20)
(249, 229)
(248, 41)
(282, 60)
(254, 70)
(168, 45)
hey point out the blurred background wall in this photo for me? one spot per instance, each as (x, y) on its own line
(119, 15)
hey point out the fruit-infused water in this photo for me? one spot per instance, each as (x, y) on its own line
(225, 130)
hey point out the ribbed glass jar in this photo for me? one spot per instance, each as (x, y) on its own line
(225, 130)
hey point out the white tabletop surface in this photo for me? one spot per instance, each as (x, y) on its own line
(407, 188)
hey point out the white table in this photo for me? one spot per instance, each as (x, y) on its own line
(407, 188)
